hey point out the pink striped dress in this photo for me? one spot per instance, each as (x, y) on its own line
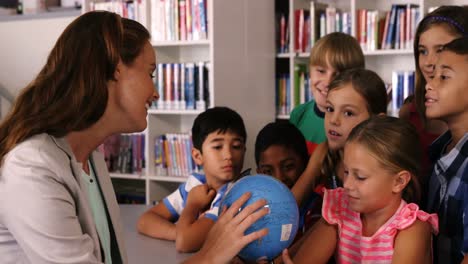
(355, 248)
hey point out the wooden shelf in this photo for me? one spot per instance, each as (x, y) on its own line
(168, 178)
(388, 52)
(181, 43)
(127, 176)
(173, 112)
(283, 55)
(282, 116)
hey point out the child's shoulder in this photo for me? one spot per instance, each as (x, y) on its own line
(410, 217)
(299, 111)
(193, 180)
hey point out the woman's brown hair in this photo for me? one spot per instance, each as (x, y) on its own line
(70, 92)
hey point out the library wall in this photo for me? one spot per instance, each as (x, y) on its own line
(24, 47)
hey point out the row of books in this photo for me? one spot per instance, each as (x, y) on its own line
(174, 20)
(182, 86)
(312, 24)
(288, 97)
(326, 19)
(403, 83)
(125, 153)
(135, 10)
(173, 155)
(394, 29)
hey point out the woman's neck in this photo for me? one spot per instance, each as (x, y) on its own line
(83, 143)
(372, 221)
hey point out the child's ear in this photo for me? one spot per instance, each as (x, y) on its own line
(197, 156)
(401, 181)
(382, 114)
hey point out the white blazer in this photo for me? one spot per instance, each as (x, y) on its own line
(44, 208)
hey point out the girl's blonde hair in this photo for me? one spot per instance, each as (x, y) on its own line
(338, 50)
(395, 144)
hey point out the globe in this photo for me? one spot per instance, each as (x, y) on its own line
(282, 221)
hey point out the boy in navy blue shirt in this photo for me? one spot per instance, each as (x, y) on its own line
(447, 100)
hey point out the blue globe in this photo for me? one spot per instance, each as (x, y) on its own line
(282, 221)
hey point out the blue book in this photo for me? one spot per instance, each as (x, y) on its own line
(400, 89)
(391, 28)
(142, 151)
(203, 26)
(288, 95)
(411, 83)
(396, 43)
(190, 86)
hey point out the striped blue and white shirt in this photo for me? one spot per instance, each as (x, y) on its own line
(177, 200)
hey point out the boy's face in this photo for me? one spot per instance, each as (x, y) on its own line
(446, 97)
(222, 157)
(282, 163)
(320, 78)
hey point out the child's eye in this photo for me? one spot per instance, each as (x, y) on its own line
(348, 113)
(360, 178)
(329, 109)
(267, 171)
(289, 167)
(443, 77)
(217, 147)
(320, 70)
(240, 146)
(422, 52)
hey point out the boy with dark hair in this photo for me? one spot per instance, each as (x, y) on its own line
(446, 100)
(219, 137)
(280, 151)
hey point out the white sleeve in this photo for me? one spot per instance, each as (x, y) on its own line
(39, 212)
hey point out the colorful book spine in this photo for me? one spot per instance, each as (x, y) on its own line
(190, 86)
(203, 15)
(200, 103)
(176, 88)
(160, 82)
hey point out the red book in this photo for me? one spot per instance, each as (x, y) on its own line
(297, 15)
(282, 47)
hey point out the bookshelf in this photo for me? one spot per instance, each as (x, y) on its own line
(240, 52)
(382, 61)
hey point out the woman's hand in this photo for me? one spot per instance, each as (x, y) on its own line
(227, 238)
